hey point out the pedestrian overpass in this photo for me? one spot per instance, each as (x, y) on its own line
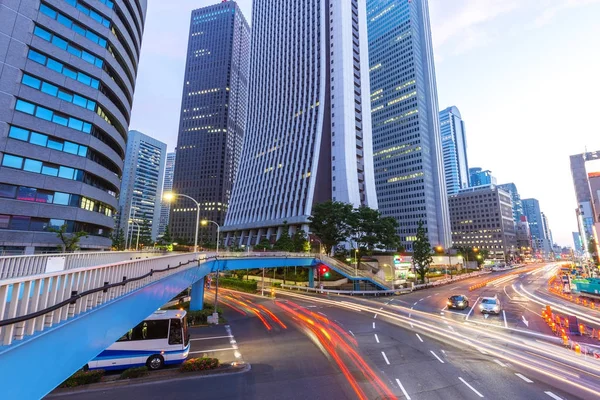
(56, 322)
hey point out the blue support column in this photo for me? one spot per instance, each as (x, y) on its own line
(356, 285)
(311, 277)
(197, 301)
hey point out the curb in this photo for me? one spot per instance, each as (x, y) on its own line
(172, 377)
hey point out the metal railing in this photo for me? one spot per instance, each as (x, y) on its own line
(450, 280)
(352, 272)
(350, 292)
(18, 266)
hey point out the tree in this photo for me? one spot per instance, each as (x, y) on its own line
(329, 222)
(422, 258)
(167, 239)
(118, 239)
(300, 242)
(70, 241)
(145, 233)
(368, 230)
(263, 245)
(284, 243)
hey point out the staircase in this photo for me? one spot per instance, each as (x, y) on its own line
(352, 273)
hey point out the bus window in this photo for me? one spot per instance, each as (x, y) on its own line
(152, 329)
(126, 336)
(186, 335)
(175, 332)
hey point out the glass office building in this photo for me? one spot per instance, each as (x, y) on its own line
(454, 147)
(67, 76)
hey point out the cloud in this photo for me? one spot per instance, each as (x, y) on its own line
(550, 13)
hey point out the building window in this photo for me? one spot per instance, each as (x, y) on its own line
(44, 141)
(64, 45)
(53, 116)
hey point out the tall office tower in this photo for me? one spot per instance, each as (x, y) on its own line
(516, 200)
(480, 177)
(213, 118)
(409, 169)
(165, 207)
(547, 230)
(577, 243)
(454, 147)
(309, 127)
(587, 217)
(141, 187)
(531, 209)
(67, 77)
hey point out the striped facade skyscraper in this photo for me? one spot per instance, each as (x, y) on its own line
(309, 127)
(67, 77)
(213, 118)
(409, 168)
(454, 148)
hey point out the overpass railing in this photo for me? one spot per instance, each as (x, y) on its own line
(352, 272)
(17, 266)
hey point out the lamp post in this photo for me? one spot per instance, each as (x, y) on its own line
(205, 222)
(137, 241)
(170, 196)
(440, 249)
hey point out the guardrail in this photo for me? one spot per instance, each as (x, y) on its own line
(350, 292)
(17, 266)
(352, 272)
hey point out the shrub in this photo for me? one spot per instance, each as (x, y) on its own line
(83, 378)
(245, 286)
(199, 364)
(133, 373)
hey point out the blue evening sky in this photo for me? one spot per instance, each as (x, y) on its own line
(525, 75)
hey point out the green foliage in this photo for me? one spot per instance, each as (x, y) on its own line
(263, 245)
(300, 242)
(83, 378)
(166, 238)
(422, 258)
(240, 274)
(329, 222)
(284, 243)
(232, 283)
(145, 233)
(199, 364)
(368, 229)
(70, 241)
(118, 239)
(133, 373)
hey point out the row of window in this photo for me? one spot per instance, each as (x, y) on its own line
(53, 116)
(69, 23)
(64, 45)
(24, 223)
(41, 167)
(91, 13)
(61, 69)
(40, 139)
(24, 193)
(55, 91)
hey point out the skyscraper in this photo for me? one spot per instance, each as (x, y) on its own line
(165, 207)
(479, 177)
(409, 169)
(587, 217)
(213, 118)
(67, 78)
(309, 128)
(516, 200)
(141, 187)
(454, 146)
(531, 209)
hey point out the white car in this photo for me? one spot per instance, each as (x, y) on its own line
(490, 305)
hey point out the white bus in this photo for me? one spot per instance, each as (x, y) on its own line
(161, 339)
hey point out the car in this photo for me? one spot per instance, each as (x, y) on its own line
(490, 305)
(458, 301)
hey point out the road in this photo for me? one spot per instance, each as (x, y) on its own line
(314, 346)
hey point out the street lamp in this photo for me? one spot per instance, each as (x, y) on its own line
(440, 249)
(137, 241)
(170, 196)
(205, 222)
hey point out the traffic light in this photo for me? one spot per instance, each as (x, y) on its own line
(325, 271)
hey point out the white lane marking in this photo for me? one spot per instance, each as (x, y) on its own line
(419, 337)
(451, 328)
(500, 363)
(213, 350)
(415, 303)
(375, 316)
(470, 387)
(422, 299)
(445, 308)
(441, 313)
(506, 293)
(351, 333)
(471, 310)
(555, 397)
(526, 379)
(319, 312)
(483, 352)
(376, 338)
(211, 338)
(436, 356)
(444, 352)
(504, 315)
(402, 388)
(411, 325)
(373, 325)
(381, 308)
(391, 300)
(409, 315)
(385, 358)
(428, 297)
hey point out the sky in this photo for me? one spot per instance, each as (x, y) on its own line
(525, 75)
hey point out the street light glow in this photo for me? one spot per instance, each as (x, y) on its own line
(168, 196)
(204, 222)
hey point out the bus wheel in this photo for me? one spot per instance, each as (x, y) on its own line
(155, 362)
